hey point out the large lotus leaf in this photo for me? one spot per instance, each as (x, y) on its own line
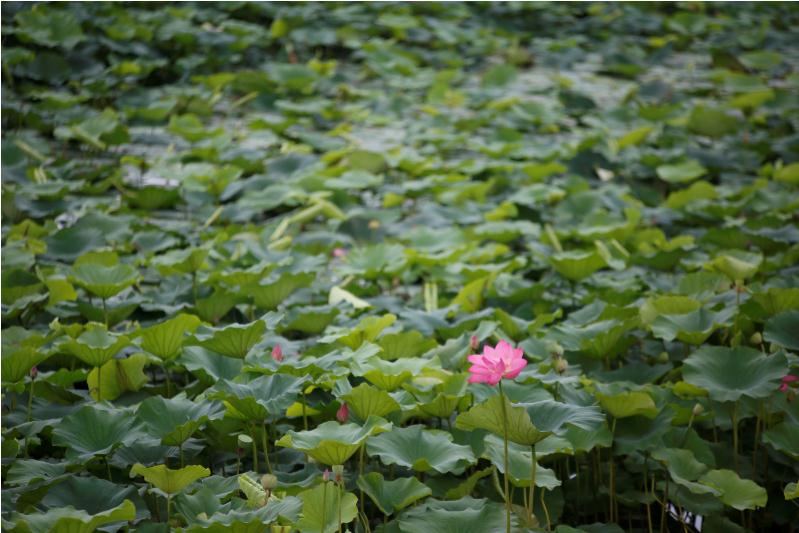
(736, 264)
(783, 329)
(738, 493)
(174, 420)
(405, 344)
(90, 494)
(185, 261)
(27, 471)
(630, 403)
(96, 345)
(257, 399)
(165, 340)
(682, 172)
(234, 340)
(367, 330)
(390, 375)
(684, 469)
(208, 365)
(322, 507)
(167, 480)
(93, 430)
(21, 350)
(69, 520)
(488, 416)
(117, 377)
(553, 416)
(693, 327)
(395, 495)
(371, 261)
(784, 437)
(729, 373)
(332, 443)
(520, 461)
(466, 515)
(365, 401)
(104, 281)
(577, 264)
(312, 320)
(49, 27)
(420, 449)
(269, 295)
(286, 509)
(776, 300)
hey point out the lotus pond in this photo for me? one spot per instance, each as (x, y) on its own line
(400, 268)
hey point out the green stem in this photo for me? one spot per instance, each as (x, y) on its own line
(107, 468)
(99, 382)
(533, 470)
(168, 381)
(612, 481)
(304, 411)
(360, 474)
(735, 434)
(168, 505)
(324, 506)
(546, 510)
(254, 452)
(180, 450)
(507, 473)
(30, 400)
(105, 313)
(338, 504)
(264, 442)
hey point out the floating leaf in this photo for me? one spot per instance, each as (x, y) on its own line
(167, 480)
(332, 443)
(165, 340)
(729, 373)
(488, 416)
(395, 495)
(420, 449)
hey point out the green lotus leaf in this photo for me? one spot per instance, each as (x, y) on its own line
(684, 469)
(736, 264)
(693, 327)
(257, 399)
(21, 350)
(520, 460)
(184, 261)
(49, 27)
(93, 430)
(367, 330)
(332, 443)
(372, 261)
(488, 416)
(697, 192)
(234, 340)
(395, 495)
(404, 345)
(553, 416)
(337, 295)
(365, 401)
(26, 471)
(668, 305)
(165, 340)
(712, 122)
(70, 520)
(465, 488)
(631, 403)
(783, 329)
(117, 377)
(683, 172)
(104, 281)
(791, 491)
(215, 306)
(466, 515)
(322, 508)
(784, 437)
(729, 373)
(776, 300)
(90, 494)
(167, 480)
(738, 493)
(390, 375)
(255, 493)
(174, 420)
(420, 449)
(268, 295)
(312, 320)
(96, 345)
(577, 264)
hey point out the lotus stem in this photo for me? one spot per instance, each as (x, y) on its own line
(324, 506)
(105, 313)
(264, 445)
(507, 473)
(533, 470)
(546, 510)
(735, 434)
(254, 453)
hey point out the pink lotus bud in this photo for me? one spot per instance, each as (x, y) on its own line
(277, 353)
(34, 372)
(339, 252)
(338, 473)
(343, 413)
(326, 475)
(474, 342)
(790, 378)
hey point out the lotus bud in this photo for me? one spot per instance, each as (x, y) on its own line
(245, 441)
(343, 413)
(739, 286)
(697, 410)
(202, 516)
(338, 473)
(555, 349)
(474, 342)
(773, 348)
(339, 252)
(663, 357)
(269, 482)
(277, 353)
(561, 365)
(326, 475)
(374, 224)
(34, 372)
(756, 338)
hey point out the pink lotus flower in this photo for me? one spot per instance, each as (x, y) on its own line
(343, 413)
(339, 252)
(790, 378)
(277, 353)
(501, 361)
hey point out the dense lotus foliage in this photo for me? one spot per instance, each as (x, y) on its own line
(250, 252)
